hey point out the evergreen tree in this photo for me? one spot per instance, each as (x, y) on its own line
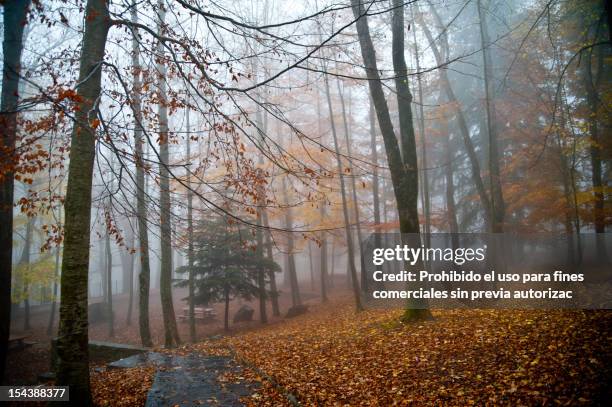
(226, 265)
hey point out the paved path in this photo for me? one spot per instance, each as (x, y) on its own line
(191, 380)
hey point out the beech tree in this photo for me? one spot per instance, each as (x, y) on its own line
(402, 162)
(72, 343)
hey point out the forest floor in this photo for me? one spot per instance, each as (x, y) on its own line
(331, 355)
(25, 365)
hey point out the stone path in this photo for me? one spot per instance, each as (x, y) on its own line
(191, 380)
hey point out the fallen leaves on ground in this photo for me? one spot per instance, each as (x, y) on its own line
(463, 357)
(121, 387)
(333, 356)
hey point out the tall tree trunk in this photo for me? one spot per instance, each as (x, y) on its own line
(109, 285)
(58, 220)
(171, 337)
(347, 223)
(442, 55)
(408, 209)
(403, 183)
(286, 273)
(323, 264)
(463, 129)
(268, 242)
(127, 260)
(385, 213)
(130, 289)
(109, 257)
(102, 269)
(402, 164)
(424, 172)
(15, 12)
(567, 192)
(375, 180)
(291, 269)
(322, 234)
(72, 343)
(364, 280)
(451, 210)
(496, 196)
(144, 276)
(261, 273)
(192, 324)
(272, 276)
(261, 203)
(591, 84)
(24, 261)
(55, 287)
(311, 266)
(569, 181)
(323, 269)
